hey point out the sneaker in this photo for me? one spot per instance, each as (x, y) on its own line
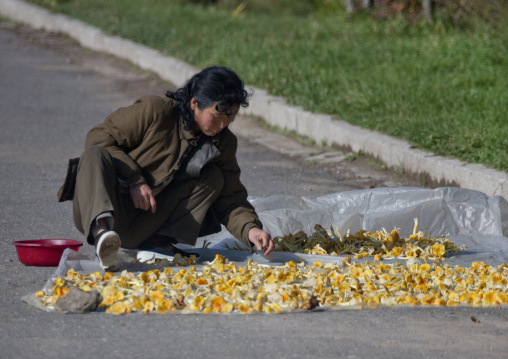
(106, 250)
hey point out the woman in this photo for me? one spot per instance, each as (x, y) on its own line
(166, 168)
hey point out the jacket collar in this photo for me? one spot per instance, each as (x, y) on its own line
(187, 135)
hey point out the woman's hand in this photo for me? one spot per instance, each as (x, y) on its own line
(142, 197)
(261, 240)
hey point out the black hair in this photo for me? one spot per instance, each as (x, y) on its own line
(213, 84)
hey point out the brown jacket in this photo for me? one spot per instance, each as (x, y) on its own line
(149, 144)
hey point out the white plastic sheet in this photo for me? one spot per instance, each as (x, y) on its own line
(469, 217)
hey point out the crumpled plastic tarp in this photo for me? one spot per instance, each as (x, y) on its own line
(468, 217)
(442, 211)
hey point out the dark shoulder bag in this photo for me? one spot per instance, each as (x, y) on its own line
(66, 192)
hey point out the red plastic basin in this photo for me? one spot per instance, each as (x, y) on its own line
(44, 252)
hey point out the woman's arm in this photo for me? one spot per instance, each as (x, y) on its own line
(235, 211)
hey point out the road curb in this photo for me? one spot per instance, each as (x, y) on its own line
(274, 110)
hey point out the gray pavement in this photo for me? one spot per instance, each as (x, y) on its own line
(51, 93)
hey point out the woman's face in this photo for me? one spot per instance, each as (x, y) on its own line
(209, 120)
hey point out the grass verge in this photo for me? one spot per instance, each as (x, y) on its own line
(440, 88)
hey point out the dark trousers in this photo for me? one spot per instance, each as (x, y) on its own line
(181, 206)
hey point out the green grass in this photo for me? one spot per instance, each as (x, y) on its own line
(442, 89)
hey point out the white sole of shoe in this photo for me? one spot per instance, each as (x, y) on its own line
(107, 250)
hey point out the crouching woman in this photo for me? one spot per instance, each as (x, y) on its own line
(164, 170)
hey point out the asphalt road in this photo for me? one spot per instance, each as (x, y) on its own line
(48, 102)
